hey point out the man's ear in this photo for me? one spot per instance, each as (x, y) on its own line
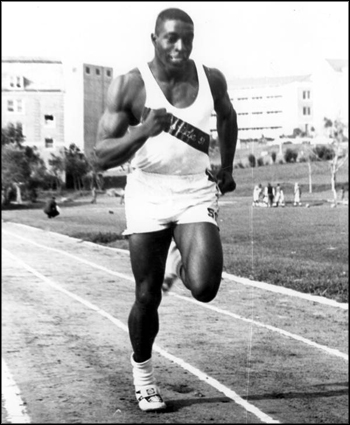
(153, 38)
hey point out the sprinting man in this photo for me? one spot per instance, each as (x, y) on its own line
(158, 115)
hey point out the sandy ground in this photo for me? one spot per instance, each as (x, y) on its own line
(65, 305)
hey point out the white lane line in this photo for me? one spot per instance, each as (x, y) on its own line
(331, 351)
(89, 263)
(328, 350)
(242, 280)
(11, 395)
(196, 372)
(285, 291)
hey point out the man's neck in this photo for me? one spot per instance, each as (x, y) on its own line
(166, 75)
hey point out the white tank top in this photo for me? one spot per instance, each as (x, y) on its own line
(166, 154)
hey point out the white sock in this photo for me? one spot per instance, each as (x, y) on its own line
(142, 373)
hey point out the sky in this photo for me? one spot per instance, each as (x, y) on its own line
(242, 39)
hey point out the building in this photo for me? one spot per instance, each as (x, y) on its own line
(86, 94)
(33, 95)
(272, 107)
(57, 104)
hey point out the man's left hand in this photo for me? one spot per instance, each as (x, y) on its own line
(226, 182)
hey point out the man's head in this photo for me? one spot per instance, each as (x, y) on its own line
(173, 38)
(172, 15)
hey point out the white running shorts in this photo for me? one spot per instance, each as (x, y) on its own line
(155, 202)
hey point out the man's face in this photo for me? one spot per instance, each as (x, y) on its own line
(173, 43)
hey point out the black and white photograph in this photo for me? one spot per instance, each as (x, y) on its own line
(174, 201)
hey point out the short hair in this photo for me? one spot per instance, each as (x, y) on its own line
(172, 14)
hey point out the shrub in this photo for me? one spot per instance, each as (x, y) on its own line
(260, 162)
(290, 155)
(273, 156)
(239, 165)
(252, 160)
(324, 152)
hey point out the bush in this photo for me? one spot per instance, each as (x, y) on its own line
(324, 152)
(273, 156)
(260, 162)
(290, 155)
(239, 165)
(252, 160)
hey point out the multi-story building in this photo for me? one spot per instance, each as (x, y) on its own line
(33, 96)
(274, 107)
(57, 104)
(86, 94)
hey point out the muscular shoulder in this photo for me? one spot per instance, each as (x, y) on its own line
(217, 82)
(126, 93)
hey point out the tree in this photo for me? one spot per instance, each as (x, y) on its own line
(333, 153)
(252, 160)
(76, 165)
(57, 165)
(339, 157)
(21, 166)
(290, 155)
(12, 134)
(94, 177)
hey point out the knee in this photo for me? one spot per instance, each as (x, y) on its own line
(205, 293)
(148, 300)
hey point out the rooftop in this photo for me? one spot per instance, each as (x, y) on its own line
(266, 81)
(29, 59)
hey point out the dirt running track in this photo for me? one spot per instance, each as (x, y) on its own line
(250, 356)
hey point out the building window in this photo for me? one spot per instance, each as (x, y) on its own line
(306, 94)
(306, 110)
(19, 106)
(48, 143)
(49, 121)
(10, 105)
(108, 73)
(15, 105)
(16, 82)
(87, 70)
(97, 71)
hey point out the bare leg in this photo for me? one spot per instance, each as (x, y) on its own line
(202, 258)
(148, 253)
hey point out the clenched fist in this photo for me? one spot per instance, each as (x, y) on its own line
(155, 121)
(225, 181)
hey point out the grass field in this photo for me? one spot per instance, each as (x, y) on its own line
(300, 248)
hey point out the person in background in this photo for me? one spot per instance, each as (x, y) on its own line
(257, 192)
(279, 196)
(270, 195)
(297, 195)
(51, 209)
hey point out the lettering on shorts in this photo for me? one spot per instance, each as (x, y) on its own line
(212, 213)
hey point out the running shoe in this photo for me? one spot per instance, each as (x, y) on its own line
(149, 398)
(172, 268)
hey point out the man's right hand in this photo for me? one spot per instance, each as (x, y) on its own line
(155, 121)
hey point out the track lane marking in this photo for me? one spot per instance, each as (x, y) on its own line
(328, 350)
(11, 395)
(331, 351)
(242, 280)
(196, 372)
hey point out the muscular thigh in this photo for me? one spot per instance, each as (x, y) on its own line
(201, 252)
(148, 252)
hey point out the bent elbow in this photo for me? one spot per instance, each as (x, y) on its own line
(100, 159)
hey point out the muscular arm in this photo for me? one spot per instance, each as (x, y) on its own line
(116, 140)
(226, 126)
